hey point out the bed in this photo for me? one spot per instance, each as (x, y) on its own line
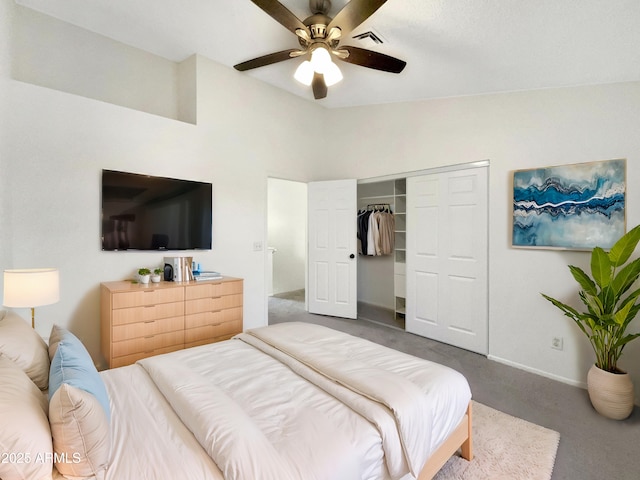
(288, 401)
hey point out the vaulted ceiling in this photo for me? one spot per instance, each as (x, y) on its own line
(452, 47)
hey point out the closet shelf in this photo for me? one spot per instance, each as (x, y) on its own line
(373, 197)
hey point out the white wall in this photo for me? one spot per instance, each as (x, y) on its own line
(287, 233)
(99, 67)
(514, 131)
(6, 24)
(56, 144)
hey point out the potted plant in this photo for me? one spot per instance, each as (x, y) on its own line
(156, 275)
(609, 311)
(143, 275)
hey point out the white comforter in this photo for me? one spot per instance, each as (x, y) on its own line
(280, 403)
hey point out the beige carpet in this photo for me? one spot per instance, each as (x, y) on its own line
(505, 448)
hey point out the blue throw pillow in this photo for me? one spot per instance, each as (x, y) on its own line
(72, 365)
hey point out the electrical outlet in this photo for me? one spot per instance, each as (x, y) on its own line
(257, 246)
(556, 343)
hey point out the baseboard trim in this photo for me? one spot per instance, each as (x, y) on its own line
(542, 373)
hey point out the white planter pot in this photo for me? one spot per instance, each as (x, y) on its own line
(155, 278)
(143, 279)
(611, 394)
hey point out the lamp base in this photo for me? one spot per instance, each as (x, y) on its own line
(33, 318)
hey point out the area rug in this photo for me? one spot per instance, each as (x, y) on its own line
(505, 448)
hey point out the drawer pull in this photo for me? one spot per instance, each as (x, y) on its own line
(215, 324)
(148, 351)
(216, 298)
(149, 306)
(215, 311)
(149, 336)
(150, 321)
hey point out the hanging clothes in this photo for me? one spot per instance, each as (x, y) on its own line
(376, 227)
(363, 228)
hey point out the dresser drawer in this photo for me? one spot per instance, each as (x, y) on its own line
(147, 328)
(212, 318)
(212, 304)
(147, 297)
(133, 358)
(150, 312)
(148, 344)
(213, 290)
(212, 332)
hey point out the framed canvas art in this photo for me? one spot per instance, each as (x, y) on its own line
(573, 207)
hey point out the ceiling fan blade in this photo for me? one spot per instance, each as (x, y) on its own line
(266, 60)
(371, 59)
(353, 14)
(319, 87)
(280, 14)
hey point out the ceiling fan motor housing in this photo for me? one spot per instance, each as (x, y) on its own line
(317, 24)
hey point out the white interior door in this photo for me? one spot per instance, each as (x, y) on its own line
(447, 284)
(332, 252)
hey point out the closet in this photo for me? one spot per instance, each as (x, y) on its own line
(435, 282)
(382, 278)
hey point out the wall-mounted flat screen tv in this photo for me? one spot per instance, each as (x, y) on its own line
(142, 212)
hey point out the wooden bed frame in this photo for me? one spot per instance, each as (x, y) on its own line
(460, 438)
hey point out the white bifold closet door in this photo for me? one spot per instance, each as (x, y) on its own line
(447, 272)
(333, 271)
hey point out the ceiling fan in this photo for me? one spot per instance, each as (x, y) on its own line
(319, 36)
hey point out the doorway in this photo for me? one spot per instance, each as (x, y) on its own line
(286, 240)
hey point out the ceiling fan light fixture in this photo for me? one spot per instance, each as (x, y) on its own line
(321, 60)
(304, 73)
(332, 75)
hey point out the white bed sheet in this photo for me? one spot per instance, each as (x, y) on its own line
(148, 440)
(281, 405)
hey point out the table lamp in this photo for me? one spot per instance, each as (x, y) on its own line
(30, 288)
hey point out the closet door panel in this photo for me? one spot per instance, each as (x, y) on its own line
(447, 244)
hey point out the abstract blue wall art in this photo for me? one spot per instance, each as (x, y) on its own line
(574, 207)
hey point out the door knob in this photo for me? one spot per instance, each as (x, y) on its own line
(352, 256)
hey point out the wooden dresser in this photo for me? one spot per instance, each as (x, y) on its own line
(139, 321)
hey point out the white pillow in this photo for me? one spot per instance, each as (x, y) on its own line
(80, 430)
(25, 436)
(22, 344)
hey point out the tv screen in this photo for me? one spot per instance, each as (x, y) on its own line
(141, 212)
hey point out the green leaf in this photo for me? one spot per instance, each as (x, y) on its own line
(606, 320)
(608, 299)
(633, 296)
(620, 316)
(584, 280)
(626, 277)
(624, 247)
(600, 267)
(568, 311)
(626, 339)
(593, 303)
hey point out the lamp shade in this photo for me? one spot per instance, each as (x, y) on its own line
(28, 288)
